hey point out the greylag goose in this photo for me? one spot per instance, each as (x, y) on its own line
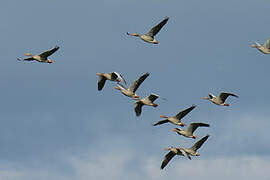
(149, 101)
(177, 118)
(263, 48)
(191, 128)
(149, 37)
(43, 57)
(114, 76)
(220, 100)
(130, 91)
(183, 152)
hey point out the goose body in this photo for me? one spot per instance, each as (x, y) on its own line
(175, 119)
(150, 36)
(188, 132)
(114, 76)
(219, 100)
(263, 48)
(148, 101)
(43, 57)
(192, 151)
(130, 91)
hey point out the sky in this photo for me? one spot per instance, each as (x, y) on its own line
(56, 125)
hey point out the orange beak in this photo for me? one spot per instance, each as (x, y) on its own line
(206, 98)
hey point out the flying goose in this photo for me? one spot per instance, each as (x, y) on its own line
(43, 57)
(263, 48)
(188, 132)
(114, 76)
(177, 118)
(130, 91)
(149, 101)
(149, 37)
(220, 100)
(183, 152)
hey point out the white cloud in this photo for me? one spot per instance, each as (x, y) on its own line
(116, 166)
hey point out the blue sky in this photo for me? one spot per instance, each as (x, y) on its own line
(56, 125)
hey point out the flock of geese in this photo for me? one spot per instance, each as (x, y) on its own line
(149, 101)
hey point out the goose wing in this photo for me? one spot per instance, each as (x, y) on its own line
(138, 108)
(267, 44)
(49, 52)
(193, 126)
(117, 76)
(161, 122)
(157, 28)
(223, 96)
(167, 159)
(199, 143)
(135, 85)
(181, 114)
(152, 97)
(101, 82)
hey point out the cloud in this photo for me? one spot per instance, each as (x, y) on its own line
(126, 164)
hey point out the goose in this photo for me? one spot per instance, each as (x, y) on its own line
(149, 37)
(130, 91)
(149, 101)
(114, 76)
(183, 152)
(177, 118)
(191, 128)
(43, 57)
(220, 100)
(263, 48)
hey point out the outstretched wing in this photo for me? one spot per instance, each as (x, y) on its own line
(138, 108)
(223, 96)
(26, 59)
(117, 76)
(50, 52)
(161, 122)
(152, 97)
(267, 44)
(135, 85)
(193, 126)
(101, 82)
(157, 28)
(181, 114)
(199, 143)
(167, 159)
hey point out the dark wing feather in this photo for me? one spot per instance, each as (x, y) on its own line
(50, 52)
(157, 28)
(153, 97)
(223, 96)
(161, 122)
(138, 108)
(167, 159)
(181, 114)
(199, 143)
(193, 126)
(101, 82)
(29, 59)
(135, 85)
